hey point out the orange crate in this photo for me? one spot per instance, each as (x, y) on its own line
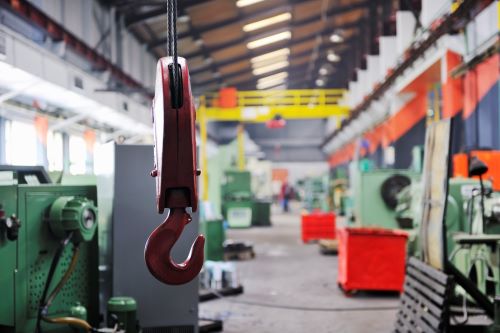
(371, 259)
(316, 226)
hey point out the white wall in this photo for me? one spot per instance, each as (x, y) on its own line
(88, 20)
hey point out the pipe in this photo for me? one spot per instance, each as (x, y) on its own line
(72, 321)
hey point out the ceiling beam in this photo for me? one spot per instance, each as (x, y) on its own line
(257, 15)
(137, 17)
(271, 48)
(333, 11)
(323, 49)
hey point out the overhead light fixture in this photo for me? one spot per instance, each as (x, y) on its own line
(269, 39)
(267, 22)
(269, 61)
(320, 82)
(323, 71)
(272, 80)
(336, 38)
(183, 19)
(333, 57)
(270, 68)
(269, 84)
(281, 53)
(245, 3)
(273, 77)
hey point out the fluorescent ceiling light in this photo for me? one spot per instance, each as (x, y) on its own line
(267, 22)
(244, 3)
(336, 38)
(270, 58)
(270, 68)
(271, 55)
(332, 57)
(323, 71)
(269, 61)
(269, 84)
(274, 77)
(269, 39)
(272, 80)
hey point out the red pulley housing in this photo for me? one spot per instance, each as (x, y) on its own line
(175, 140)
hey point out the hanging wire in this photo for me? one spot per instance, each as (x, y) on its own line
(172, 48)
(174, 39)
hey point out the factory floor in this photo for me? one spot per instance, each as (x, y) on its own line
(291, 287)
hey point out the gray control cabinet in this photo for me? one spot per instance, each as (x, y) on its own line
(134, 216)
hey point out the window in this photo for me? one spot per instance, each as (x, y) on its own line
(20, 143)
(55, 151)
(77, 155)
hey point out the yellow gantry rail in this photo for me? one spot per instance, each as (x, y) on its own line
(261, 106)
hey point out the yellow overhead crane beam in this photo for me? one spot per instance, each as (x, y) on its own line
(260, 106)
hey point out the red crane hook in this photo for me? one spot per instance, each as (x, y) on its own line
(162, 240)
(175, 172)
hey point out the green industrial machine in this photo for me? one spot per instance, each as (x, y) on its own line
(239, 206)
(375, 196)
(261, 213)
(475, 240)
(315, 195)
(49, 279)
(472, 242)
(460, 190)
(53, 254)
(215, 235)
(338, 191)
(462, 204)
(122, 314)
(237, 199)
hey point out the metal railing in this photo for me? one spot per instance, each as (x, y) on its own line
(280, 98)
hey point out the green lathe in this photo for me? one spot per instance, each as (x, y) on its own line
(48, 253)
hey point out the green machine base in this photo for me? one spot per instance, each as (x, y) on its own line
(26, 259)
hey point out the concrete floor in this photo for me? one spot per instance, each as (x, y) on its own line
(291, 287)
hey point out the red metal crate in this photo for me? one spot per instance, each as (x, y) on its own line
(371, 259)
(318, 225)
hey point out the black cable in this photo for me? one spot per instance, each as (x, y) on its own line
(169, 28)
(174, 42)
(172, 52)
(50, 275)
(301, 308)
(318, 309)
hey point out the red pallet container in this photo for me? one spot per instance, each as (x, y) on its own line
(371, 259)
(318, 225)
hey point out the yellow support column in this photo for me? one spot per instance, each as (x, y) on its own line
(241, 147)
(202, 118)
